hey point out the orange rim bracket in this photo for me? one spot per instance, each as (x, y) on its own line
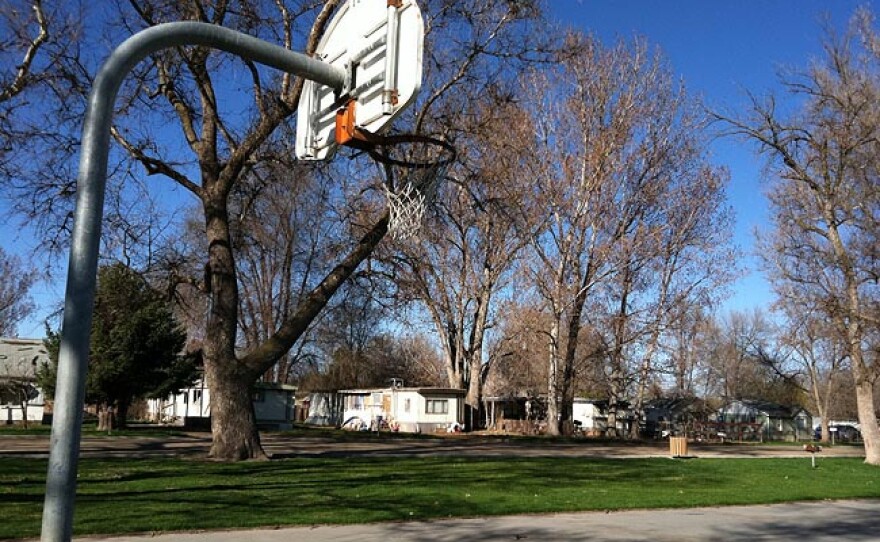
(347, 132)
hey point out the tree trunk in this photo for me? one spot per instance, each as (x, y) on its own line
(475, 349)
(475, 391)
(617, 389)
(568, 372)
(24, 413)
(102, 417)
(553, 382)
(820, 401)
(233, 423)
(119, 417)
(868, 419)
(639, 404)
(865, 375)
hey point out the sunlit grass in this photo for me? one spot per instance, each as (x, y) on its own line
(119, 495)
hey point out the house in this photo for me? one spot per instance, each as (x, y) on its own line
(519, 413)
(590, 416)
(20, 397)
(674, 416)
(528, 415)
(273, 406)
(748, 419)
(412, 410)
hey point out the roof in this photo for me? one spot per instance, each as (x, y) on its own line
(515, 397)
(20, 357)
(674, 404)
(422, 391)
(274, 386)
(774, 410)
(601, 403)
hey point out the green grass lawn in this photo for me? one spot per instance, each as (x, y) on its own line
(123, 495)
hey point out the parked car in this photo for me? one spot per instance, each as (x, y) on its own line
(842, 432)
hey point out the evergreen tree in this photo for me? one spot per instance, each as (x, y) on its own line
(136, 345)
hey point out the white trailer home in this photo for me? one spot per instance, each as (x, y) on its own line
(411, 410)
(20, 397)
(273, 406)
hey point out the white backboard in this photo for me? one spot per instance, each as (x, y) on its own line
(385, 44)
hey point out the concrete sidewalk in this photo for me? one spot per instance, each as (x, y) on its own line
(814, 522)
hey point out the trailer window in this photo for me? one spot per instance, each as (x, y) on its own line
(437, 406)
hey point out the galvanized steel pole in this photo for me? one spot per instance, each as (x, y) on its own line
(81, 276)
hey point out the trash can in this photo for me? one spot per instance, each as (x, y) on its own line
(678, 446)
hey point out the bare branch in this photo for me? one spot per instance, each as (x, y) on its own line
(23, 75)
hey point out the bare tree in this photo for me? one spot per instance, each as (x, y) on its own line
(686, 351)
(747, 359)
(519, 366)
(16, 280)
(285, 243)
(624, 195)
(821, 356)
(463, 258)
(34, 36)
(574, 115)
(691, 260)
(822, 251)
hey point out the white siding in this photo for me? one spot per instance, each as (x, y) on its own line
(590, 416)
(408, 408)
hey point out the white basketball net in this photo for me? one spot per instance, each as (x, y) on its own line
(407, 205)
(415, 165)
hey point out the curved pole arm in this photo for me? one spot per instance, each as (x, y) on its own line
(81, 275)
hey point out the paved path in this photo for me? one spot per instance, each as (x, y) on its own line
(279, 445)
(806, 522)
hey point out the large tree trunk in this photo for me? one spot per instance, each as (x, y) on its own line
(475, 350)
(618, 385)
(475, 392)
(868, 418)
(616, 395)
(103, 414)
(233, 424)
(120, 415)
(864, 375)
(571, 346)
(821, 401)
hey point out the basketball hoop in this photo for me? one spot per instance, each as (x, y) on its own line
(414, 167)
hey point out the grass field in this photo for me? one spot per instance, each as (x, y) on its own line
(124, 496)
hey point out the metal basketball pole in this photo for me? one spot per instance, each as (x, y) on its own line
(67, 419)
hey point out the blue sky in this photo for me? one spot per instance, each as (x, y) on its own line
(721, 49)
